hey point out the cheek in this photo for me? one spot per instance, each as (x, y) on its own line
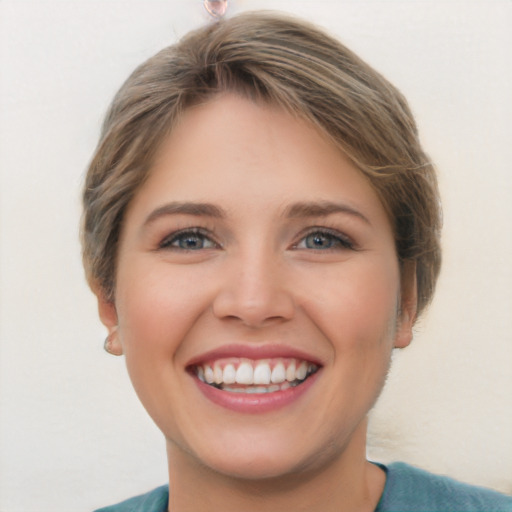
(357, 307)
(156, 306)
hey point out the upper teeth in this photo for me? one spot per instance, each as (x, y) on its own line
(249, 372)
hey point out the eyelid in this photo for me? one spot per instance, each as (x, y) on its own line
(346, 241)
(166, 242)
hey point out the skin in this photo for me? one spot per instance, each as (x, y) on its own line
(257, 277)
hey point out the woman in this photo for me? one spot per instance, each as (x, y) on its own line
(261, 229)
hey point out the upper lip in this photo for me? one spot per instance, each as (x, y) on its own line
(255, 352)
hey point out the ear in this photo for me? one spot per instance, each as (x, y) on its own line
(108, 316)
(408, 305)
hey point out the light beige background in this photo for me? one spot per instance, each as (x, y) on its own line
(72, 434)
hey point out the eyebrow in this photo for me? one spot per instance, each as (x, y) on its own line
(186, 208)
(294, 211)
(322, 209)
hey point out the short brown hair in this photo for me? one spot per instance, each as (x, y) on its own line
(283, 62)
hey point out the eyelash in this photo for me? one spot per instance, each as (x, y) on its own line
(340, 241)
(336, 240)
(197, 233)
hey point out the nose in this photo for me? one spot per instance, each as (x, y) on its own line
(254, 291)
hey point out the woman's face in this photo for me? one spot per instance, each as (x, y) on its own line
(255, 252)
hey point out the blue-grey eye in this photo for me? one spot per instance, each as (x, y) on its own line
(188, 241)
(322, 240)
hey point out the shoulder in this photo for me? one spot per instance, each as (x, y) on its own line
(154, 501)
(413, 490)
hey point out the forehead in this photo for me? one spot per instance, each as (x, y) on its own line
(237, 152)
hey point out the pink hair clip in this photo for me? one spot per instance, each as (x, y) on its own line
(216, 8)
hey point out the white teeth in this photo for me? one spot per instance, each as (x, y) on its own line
(258, 390)
(208, 375)
(290, 372)
(217, 373)
(258, 379)
(229, 374)
(262, 374)
(278, 374)
(244, 374)
(253, 390)
(301, 371)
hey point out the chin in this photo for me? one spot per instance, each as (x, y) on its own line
(251, 458)
(258, 468)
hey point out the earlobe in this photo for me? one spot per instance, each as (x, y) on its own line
(108, 316)
(408, 306)
(112, 343)
(404, 332)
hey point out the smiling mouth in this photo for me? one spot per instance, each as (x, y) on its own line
(254, 376)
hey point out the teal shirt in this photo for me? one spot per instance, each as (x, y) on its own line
(408, 489)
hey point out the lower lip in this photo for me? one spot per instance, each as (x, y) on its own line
(256, 402)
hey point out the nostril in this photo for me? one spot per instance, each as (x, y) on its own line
(257, 312)
(253, 289)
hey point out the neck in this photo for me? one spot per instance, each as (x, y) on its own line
(347, 482)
